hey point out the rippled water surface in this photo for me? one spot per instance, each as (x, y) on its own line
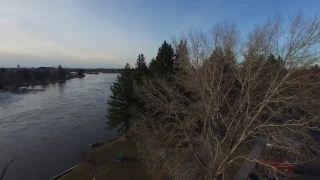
(47, 127)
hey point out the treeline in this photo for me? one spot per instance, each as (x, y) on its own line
(34, 76)
(123, 99)
(105, 70)
(200, 106)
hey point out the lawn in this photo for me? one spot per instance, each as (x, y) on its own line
(132, 168)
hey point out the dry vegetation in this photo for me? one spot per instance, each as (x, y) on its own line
(98, 164)
(227, 95)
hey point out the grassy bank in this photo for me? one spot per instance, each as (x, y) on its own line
(133, 168)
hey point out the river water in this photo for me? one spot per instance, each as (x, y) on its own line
(47, 129)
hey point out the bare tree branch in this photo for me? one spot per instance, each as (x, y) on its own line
(205, 119)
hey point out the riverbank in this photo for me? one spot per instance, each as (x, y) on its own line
(133, 168)
(15, 89)
(50, 127)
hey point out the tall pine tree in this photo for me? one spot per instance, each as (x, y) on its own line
(121, 101)
(62, 74)
(141, 64)
(141, 68)
(153, 66)
(164, 62)
(181, 55)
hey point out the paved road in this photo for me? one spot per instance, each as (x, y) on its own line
(247, 167)
(310, 171)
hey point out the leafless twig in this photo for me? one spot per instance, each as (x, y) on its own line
(204, 121)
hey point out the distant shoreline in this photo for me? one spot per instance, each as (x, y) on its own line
(34, 83)
(16, 88)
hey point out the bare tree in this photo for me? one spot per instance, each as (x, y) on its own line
(90, 158)
(204, 122)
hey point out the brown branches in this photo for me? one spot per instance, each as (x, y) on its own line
(215, 108)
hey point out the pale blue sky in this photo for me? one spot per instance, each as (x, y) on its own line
(109, 33)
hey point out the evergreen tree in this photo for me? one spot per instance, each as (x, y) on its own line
(223, 58)
(26, 75)
(81, 72)
(121, 101)
(48, 74)
(273, 65)
(61, 73)
(181, 55)
(141, 63)
(271, 60)
(164, 62)
(153, 66)
(141, 68)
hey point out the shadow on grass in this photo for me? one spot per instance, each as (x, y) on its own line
(131, 169)
(132, 160)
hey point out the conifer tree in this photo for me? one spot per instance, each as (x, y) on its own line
(153, 66)
(61, 73)
(121, 101)
(164, 62)
(181, 55)
(141, 67)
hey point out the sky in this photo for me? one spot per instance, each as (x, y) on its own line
(109, 33)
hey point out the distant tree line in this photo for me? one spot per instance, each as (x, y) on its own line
(104, 70)
(25, 76)
(123, 101)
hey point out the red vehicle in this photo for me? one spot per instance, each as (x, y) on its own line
(279, 164)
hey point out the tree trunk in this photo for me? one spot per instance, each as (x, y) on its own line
(126, 134)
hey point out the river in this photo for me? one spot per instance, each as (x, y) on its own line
(47, 129)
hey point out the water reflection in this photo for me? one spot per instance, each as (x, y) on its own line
(49, 127)
(44, 86)
(61, 86)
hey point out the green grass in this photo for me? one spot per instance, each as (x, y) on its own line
(131, 169)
